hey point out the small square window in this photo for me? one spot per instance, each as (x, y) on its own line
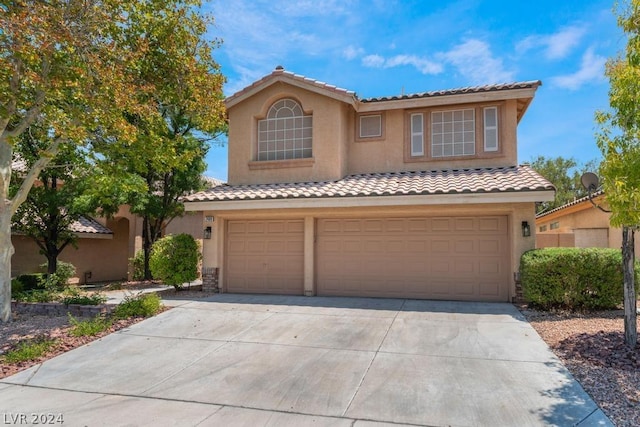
(371, 126)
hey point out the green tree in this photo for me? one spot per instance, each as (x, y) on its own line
(564, 174)
(52, 206)
(77, 69)
(619, 141)
(170, 152)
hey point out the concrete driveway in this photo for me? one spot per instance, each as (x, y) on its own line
(294, 361)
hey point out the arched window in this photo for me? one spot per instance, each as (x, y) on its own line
(285, 133)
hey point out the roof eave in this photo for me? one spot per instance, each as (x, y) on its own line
(287, 78)
(520, 196)
(524, 94)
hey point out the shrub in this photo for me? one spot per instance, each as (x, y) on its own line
(31, 281)
(137, 262)
(139, 305)
(174, 259)
(16, 286)
(29, 350)
(90, 327)
(573, 278)
(75, 296)
(60, 278)
(36, 295)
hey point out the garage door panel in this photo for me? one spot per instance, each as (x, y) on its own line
(437, 258)
(265, 256)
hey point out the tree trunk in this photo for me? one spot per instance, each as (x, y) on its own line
(6, 251)
(630, 305)
(146, 247)
(52, 262)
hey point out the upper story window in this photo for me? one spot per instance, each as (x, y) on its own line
(417, 135)
(285, 133)
(554, 225)
(371, 126)
(490, 128)
(442, 134)
(543, 228)
(453, 133)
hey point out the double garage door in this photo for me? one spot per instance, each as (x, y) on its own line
(455, 258)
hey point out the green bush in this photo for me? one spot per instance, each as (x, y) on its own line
(174, 259)
(29, 350)
(137, 262)
(60, 279)
(72, 295)
(573, 278)
(31, 281)
(139, 305)
(36, 295)
(86, 328)
(16, 286)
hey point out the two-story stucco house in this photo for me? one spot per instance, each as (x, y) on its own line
(416, 196)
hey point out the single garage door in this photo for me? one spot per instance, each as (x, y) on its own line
(452, 258)
(265, 256)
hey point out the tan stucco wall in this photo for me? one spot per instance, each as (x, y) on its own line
(390, 153)
(336, 150)
(330, 127)
(574, 225)
(106, 259)
(213, 250)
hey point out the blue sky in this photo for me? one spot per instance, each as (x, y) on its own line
(388, 47)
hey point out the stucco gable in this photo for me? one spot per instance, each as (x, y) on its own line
(280, 75)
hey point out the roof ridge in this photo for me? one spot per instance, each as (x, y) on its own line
(460, 90)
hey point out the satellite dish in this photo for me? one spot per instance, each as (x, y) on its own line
(590, 181)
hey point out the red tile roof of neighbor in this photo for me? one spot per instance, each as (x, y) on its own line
(89, 225)
(575, 202)
(455, 181)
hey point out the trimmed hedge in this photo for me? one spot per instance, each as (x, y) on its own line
(573, 278)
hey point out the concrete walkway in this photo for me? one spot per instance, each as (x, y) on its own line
(296, 361)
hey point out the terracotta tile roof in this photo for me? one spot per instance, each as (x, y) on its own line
(89, 225)
(575, 202)
(460, 91)
(212, 182)
(280, 71)
(457, 181)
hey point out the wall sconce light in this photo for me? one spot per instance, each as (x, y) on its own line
(526, 229)
(207, 232)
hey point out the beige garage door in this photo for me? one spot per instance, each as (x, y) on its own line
(265, 257)
(453, 258)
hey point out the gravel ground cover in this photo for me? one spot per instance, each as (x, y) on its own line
(592, 347)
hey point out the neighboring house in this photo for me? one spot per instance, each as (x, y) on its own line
(579, 224)
(104, 245)
(415, 196)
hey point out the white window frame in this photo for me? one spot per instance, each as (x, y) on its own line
(453, 133)
(371, 116)
(286, 133)
(488, 129)
(417, 134)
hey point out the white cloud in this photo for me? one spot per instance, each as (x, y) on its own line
(591, 69)
(373, 61)
(423, 65)
(557, 45)
(352, 52)
(474, 61)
